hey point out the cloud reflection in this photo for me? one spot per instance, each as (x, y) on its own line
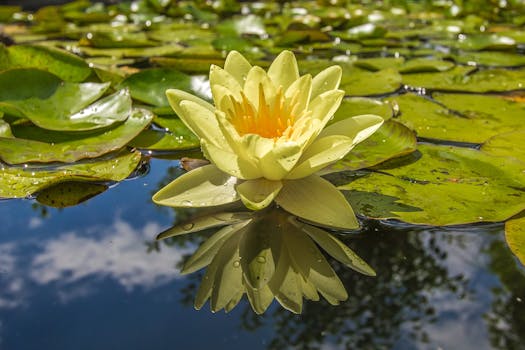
(71, 261)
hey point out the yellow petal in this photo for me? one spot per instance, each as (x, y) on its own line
(259, 298)
(259, 193)
(337, 249)
(284, 71)
(286, 283)
(299, 94)
(317, 200)
(202, 122)
(256, 78)
(237, 66)
(175, 97)
(326, 80)
(357, 128)
(321, 153)
(203, 187)
(257, 253)
(219, 76)
(230, 162)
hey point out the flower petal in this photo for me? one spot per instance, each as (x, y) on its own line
(286, 283)
(358, 128)
(219, 76)
(337, 249)
(259, 193)
(257, 253)
(317, 200)
(237, 66)
(256, 78)
(204, 255)
(284, 71)
(259, 298)
(321, 153)
(279, 159)
(202, 122)
(203, 187)
(299, 94)
(175, 97)
(230, 162)
(326, 80)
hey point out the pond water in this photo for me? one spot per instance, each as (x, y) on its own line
(91, 277)
(433, 189)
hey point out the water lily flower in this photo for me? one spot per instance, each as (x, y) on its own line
(266, 138)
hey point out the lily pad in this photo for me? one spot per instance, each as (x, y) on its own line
(492, 58)
(391, 140)
(515, 236)
(353, 106)
(103, 113)
(33, 145)
(42, 96)
(440, 185)
(63, 64)
(506, 145)
(5, 129)
(150, 85)
(363, 83)
(19, 182)
(459, 117)
(460, 79)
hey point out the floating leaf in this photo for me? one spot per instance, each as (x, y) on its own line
(33, 145)
(515, 236)
(468, 118)
(354, 106)
(363, 83)
(493, 58)
(63, 64)
(150, 85)
(440, 185)
(18, 182)
(506, 145)
(391, 140)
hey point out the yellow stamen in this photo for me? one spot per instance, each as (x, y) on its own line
(270, 121)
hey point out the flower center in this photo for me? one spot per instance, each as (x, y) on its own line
(269, 121)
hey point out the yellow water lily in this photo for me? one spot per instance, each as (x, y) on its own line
(266, 138)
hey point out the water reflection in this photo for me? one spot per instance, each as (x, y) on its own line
(265, 254)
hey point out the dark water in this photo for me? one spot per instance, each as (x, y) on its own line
(90, 277)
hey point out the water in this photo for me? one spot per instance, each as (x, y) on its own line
(92, 277)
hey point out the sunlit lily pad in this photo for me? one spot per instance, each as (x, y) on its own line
(440, 185)
(468, 118)
(63, 64)
(18, 182)
(164, 50)
(391, 140)
(507, 145)
(459, 79)
(515, 236)
(363, 83)
(176, 136)
(34, 145)
(493, 58)
(353, 106)
(40, 96)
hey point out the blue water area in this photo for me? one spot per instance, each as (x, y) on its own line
(91, 277)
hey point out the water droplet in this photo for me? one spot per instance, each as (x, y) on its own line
(236, 263)
(188, 226)
(186, 203)
(261, 259)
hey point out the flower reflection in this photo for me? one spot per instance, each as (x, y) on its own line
(265, 254)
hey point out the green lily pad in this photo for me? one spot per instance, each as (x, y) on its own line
(70, 193)
(459, 79)
(63, 64)
(150, 85)
(162, 50)
(440, 185)
(459, 117)
(391, 140)
(418, 65)
(515, 236)
(482, 42)
(506, 145)
(36, 145)
(378, 63)
(492, 58)
(188, 65)
(363, 83)
(176, 136)
(118, 39)
(43, 96)
(103, 113)
(20, 182)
